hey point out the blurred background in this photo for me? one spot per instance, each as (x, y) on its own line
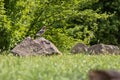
(68, 21)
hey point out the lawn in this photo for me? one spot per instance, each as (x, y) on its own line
(65, 67)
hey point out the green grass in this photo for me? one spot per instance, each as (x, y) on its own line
(65, 67)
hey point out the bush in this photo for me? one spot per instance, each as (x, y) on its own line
(4, 28)
(68, 22)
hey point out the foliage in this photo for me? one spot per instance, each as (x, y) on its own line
(68, 22)
(4, 28)
(109, 29)
(66, 67)
(20, 14)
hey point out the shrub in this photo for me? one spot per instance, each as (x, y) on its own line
(68, 22)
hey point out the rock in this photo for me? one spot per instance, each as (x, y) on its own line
(39, 46)
(79, 48)
(103, 49)
(104, 75)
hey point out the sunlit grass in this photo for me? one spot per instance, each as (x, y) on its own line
(65, 67)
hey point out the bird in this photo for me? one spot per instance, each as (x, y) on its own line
(42, 31)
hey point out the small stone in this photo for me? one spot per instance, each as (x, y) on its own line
(79, 48)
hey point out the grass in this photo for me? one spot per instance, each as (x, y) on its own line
(65, 67)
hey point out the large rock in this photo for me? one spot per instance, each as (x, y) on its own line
(39, 46)
(79, 48)
(103, 49)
